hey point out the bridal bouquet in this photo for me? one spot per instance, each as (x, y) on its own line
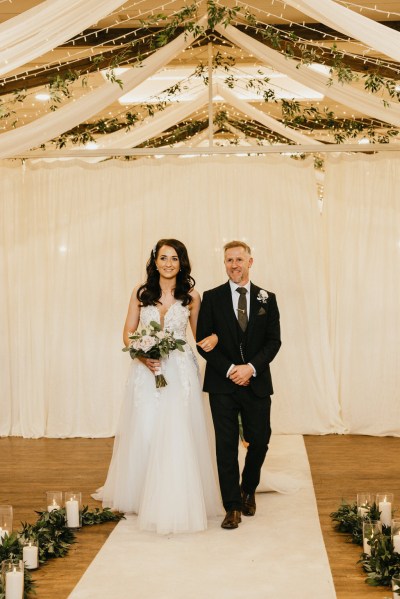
(153, 342)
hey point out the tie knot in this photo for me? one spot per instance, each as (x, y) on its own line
(241, 290)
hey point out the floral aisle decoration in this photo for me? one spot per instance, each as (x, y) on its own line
(53, 537)
(383, 563)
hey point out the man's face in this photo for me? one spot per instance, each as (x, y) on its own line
(237, 265)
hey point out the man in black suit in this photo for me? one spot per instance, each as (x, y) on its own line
(237, 378)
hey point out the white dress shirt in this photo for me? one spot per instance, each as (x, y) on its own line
(235, 302)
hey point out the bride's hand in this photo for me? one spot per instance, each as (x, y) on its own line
(208, 343)
(151, 364)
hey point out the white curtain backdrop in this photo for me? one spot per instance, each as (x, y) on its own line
(74, 240)
(362, 231)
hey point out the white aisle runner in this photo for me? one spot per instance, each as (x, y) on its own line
(277, 554)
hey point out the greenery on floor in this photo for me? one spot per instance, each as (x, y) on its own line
(383, 563)
(53, 537)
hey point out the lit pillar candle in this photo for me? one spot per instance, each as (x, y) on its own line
(53, 506)
(366, 546)
(362, 511)
(72, 510)
(30, 556)
(14, 584)
(396, 543)
(385, 508)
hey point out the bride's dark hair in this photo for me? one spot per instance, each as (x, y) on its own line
(149, 293)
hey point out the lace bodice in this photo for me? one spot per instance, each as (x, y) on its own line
(175, 319)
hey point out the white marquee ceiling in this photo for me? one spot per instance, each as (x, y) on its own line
(239, 126)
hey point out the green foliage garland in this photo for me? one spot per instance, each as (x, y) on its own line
(53, 536)
(383, 563)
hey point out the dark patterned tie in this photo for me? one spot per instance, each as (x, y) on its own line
(242, 308)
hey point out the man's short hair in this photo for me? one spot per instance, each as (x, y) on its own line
(236, 244)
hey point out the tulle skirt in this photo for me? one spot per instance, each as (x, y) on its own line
(162, 468)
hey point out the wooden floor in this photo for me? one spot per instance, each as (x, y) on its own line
(340, 465)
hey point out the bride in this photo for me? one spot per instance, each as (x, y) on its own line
(161, 467)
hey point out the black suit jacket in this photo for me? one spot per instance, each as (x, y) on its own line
(258, 345)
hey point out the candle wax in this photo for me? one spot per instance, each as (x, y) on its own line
(72, 510)
(385, 508)
(14, 584)
(30, 556)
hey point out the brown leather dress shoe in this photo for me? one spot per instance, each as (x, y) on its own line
(232, 519)
(248, 504)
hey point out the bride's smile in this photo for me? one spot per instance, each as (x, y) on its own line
(167, 262)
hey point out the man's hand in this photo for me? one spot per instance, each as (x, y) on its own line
(241, 374)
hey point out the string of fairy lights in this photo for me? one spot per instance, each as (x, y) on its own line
(68, 60)
(363, 57)
(236, 74)
(389, 14)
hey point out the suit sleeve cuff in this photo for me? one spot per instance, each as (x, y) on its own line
(229, 370)
(254, 370)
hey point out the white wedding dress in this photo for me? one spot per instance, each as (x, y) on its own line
(161, 467)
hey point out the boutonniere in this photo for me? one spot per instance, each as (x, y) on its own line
(262, 296)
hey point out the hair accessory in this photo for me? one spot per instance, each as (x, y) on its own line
(154, 251)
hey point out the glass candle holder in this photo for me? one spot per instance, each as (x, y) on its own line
(6, 520)
(73, 509)
(396, 586)
(30, 554)
(54, 500)
(364, 503)
(12, 574)
(384, 502)
(371, 530)
(396, 535)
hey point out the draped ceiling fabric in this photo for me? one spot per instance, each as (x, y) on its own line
(46, 26)
(41, 130)
(174, 114)
(373, 34)
(340, 92)
(50, 125)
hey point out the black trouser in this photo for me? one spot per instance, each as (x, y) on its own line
(255, 413)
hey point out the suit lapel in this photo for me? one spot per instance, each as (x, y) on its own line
(254, 306)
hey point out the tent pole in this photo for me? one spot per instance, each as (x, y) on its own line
(210, 95)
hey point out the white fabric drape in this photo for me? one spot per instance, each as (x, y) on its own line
(373, 34)
(345, 94)
(231, 98)
(50, 125)
(74, 241)
(46, 26)
(362, 231)
(153, 126)
(174, 114)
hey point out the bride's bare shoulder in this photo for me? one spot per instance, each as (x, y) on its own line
(195, 303)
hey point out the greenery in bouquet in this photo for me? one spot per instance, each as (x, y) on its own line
(153, 342)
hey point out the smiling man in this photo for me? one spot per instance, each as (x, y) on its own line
(238, 379)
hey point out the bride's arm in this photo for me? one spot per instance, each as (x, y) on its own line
(132, 318)
(208, 343)
(131, 324)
